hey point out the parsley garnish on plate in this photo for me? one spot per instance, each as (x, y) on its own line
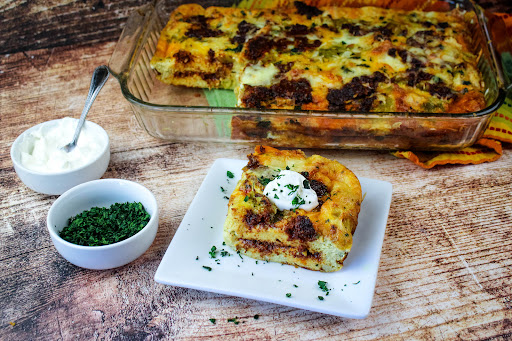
(207, 268)
(289, 294)
(323, 286)
(230, 175)
(213, 321)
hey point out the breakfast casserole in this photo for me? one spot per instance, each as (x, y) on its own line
(314, 232)
(325, 58)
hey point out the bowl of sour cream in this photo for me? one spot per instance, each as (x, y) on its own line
(44, 167)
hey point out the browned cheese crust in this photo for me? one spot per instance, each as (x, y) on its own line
(316, 240)
(331, 58)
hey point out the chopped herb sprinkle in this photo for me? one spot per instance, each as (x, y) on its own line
(323, 286)
(213, 252)
(321, 298)
(207, 268)
(213, 321)
(234, 320)
(230, 175)
(289, 294)
(292, 188)
(297, 201)
(103, 226)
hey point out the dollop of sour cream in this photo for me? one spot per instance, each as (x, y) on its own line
(290, 190)
(41, 149)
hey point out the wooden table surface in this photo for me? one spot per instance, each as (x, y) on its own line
(445, 271)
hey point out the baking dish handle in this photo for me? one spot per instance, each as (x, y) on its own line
(500, 47)
(129, 43)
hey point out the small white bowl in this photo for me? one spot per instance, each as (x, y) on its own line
(102, 193)
(59, 182)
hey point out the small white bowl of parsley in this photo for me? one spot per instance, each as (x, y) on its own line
(103, 224)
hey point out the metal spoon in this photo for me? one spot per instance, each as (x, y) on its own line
(99, 78)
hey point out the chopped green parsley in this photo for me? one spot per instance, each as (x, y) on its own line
(297, 201)
(234, 320)
(213, 252)
(103, 226)
(292, 188)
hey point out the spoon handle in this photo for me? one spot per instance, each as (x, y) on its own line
(99, 78)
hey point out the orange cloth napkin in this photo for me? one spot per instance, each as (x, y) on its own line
(486, 149)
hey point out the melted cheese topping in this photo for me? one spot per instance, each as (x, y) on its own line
(259, 75)
(333, 58)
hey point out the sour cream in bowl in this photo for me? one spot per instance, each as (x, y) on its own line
(45, 168)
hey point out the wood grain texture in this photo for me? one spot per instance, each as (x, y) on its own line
(445, 270)
(31, 25)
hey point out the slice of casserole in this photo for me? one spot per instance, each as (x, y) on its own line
(319, 239)
(200, 47)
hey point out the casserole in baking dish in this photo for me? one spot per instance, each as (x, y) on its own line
(193, 114)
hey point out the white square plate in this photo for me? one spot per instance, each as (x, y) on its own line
(187, 261)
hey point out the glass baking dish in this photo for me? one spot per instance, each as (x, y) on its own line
(183, 114)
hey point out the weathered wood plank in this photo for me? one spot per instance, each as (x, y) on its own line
(33, 25)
